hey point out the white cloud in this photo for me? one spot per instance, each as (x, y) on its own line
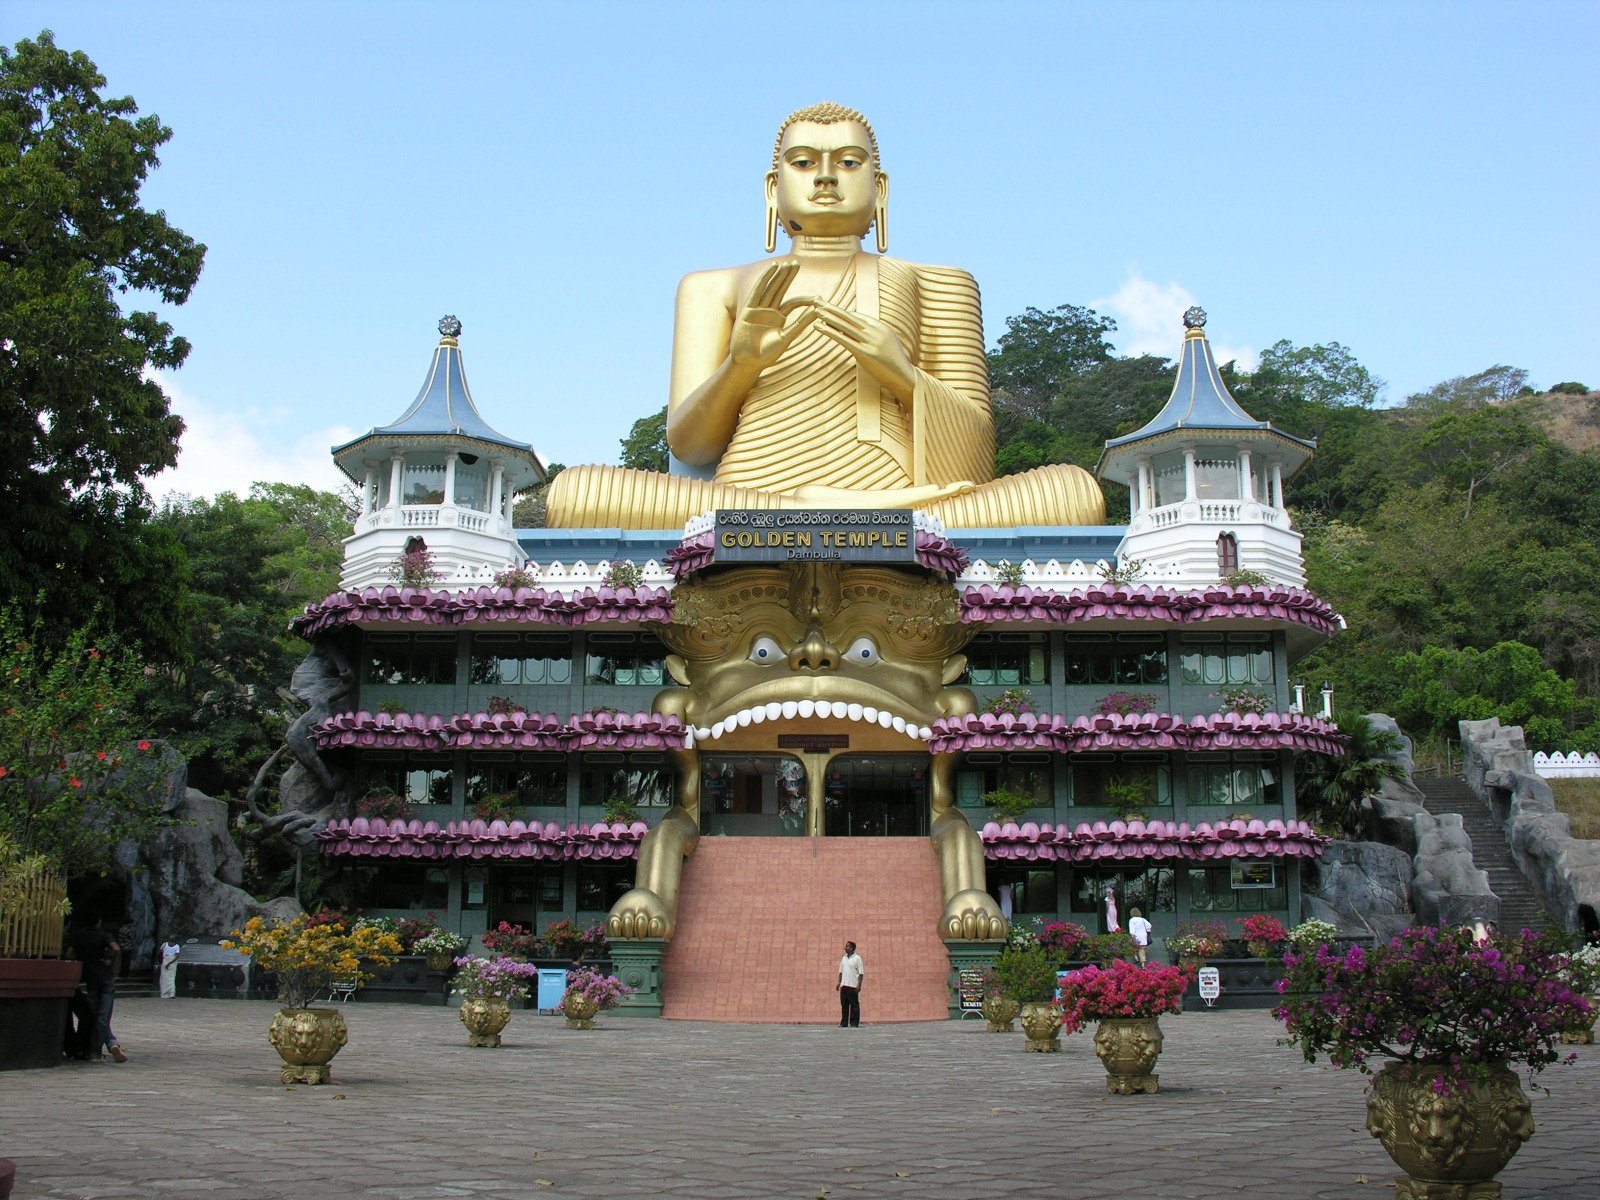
(227, 451)
(1149, 320)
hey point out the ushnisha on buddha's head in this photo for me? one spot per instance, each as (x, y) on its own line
(825, 180)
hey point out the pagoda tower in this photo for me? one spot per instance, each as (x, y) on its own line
(439, 479)
(1205, 481)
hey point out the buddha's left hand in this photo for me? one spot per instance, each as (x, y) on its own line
(875, 346)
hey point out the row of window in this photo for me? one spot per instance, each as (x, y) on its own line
(1129, 659)
(775, 784)
(1212, 889)
(519, 895)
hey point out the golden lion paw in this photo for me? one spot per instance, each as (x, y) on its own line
(974, 916)
(639, 914)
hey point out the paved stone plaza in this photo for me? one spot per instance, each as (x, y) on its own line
(661, 1108)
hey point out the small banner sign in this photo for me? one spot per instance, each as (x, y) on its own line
(1210, 985)
(757, 535)
(971, 991)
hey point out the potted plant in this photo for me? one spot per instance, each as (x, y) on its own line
(1007, 806)
(1454, 1016)
(511, 941)
(1195, 941)
(487, 987)
(307, 959)
(589, 993)
(1064, 942)
(1127, 1001)
(381, 803)
(1264, 934)
(999, 1009)
(1028, 976)
(440, 948)
(619, 810)
(1107, 948)
(1311, 933)
(1014, 701)
(496, 806)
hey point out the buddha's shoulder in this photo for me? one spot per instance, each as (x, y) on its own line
(722, 283)
(932, 274)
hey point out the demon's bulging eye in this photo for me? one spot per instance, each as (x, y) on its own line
(766, 650)
(862, 650)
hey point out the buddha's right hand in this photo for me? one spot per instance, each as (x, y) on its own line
(768, 324)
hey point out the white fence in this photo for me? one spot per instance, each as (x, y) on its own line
(1566, 766)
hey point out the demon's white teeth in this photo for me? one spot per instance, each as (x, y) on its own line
(774, 710)
(789, 709)
(869, 715)
(806, 707)
(886, 719)
(744, 716)
(827, 709)
(854, 712)
(899, 724)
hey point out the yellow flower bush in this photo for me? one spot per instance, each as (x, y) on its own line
(309, 958)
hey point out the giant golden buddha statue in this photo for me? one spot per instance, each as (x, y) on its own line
(828, 377)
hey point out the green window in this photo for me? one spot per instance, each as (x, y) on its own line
(409, 660)
(625, 660)
(1007, 660)
(1152, 889)
(1128, 659)
(542, 783)
(1211, 890)
(1029, 774)
(1239, 779)
(600, 885)
(499, 658)
(1127, 781)
(417, 780)
(1234, 658)
(645, 779)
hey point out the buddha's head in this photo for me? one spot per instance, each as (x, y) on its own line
(825, 180)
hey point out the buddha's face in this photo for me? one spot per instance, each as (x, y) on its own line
(825, 184)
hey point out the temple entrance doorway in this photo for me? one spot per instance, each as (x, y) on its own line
(876, 795)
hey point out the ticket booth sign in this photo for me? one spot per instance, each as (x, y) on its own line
(1210, 985)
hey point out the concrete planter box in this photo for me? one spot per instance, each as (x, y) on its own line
(33, 1010)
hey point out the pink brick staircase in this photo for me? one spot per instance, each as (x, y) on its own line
(762, 923)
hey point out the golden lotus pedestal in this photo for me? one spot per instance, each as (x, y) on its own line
(1128, 1047)
(580, 1011)
(1041, 1022)
(307, 1039)
(1001, 1013)
(1450, 1146)
(485, 1017)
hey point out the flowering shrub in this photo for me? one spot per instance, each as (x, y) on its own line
(496, 806)
(493, 978)
(1198, 939)
(308, 958)
(1028, 975)
(1121, 990)
(605, 990)
(619, 810)
(440, 941)
(1125, 573)
(1263, 933)
(411, 930)
(1582, 970)
(1022, 938)
(1312, 933)
(506, 938)
(1435, 997)
(1107, 948)
(76, 777)
(1008, 573)
(1064, 941)
(384, 804)
(1245, 577)
(514, 577)
(1013, 701)
(561, 939)
(415, 568)
(503, 706)
(623, 574)
(1126, 703)
(1243, 699)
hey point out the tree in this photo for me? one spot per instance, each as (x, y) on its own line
(529, 510)
(81, 417)
(1331, 788)
(1322, 374)
(1041, 351)
(1468, 447)
(645, 447)
(1509, 681)
(1494, 386)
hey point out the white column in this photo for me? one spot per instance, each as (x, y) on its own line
(368, 483)
(509, 504)
(497, 474)
(1246, 492)
(450, 479)
(1190, 488)
(1142, 492)
(397, 460)
(1277, 485)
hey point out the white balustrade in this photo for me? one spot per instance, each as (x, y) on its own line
(1571, 765)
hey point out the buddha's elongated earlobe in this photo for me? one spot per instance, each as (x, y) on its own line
(772, 211)
(881, 219)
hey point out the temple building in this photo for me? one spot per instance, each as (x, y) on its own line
(747, 739)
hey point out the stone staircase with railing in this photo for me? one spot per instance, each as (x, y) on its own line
(1518, 908)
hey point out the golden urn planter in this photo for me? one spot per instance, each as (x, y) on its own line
(307, 1039)
(1128, 1047)
(485, 1017)
(441, 962)
(1449, 1146)
(580, 1011)
(1583, 1035)
(1261, 949)
(1001, 1013)
(1041, 1022)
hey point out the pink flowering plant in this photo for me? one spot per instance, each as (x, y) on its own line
(415, 568)
(606, 991)
(1064, 941)
(513, 577)
(506, 938)
(493, 978)
(1120, 990)
(1126, 704)
(1011, 702)
(1433, 997)
(1263, 934)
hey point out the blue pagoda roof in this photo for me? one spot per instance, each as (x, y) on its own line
(1201, 404)
(443, 410)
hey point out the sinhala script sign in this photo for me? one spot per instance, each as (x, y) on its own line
(750, 535)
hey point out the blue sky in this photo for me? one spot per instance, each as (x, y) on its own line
(1416, 181)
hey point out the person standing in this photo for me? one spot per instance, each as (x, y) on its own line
(98, 951)
(852, 971)
(1139, 930)
(170, 949)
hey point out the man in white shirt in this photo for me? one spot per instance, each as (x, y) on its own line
(851, 972)
(1139, 930)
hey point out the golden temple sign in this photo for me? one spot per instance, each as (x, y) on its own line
(756, 535)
